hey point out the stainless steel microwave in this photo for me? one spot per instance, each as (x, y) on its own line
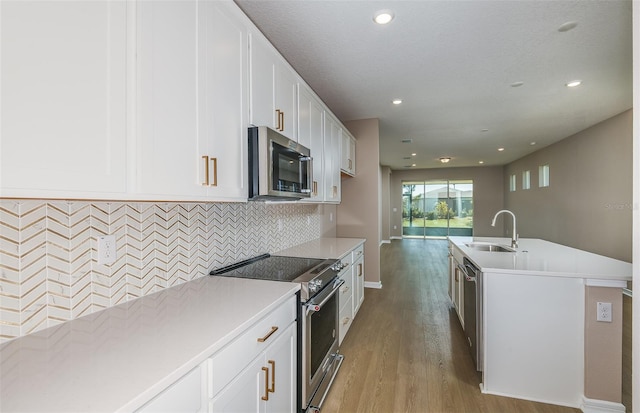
(279, 168)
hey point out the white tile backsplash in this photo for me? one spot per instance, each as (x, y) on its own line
(48, 251)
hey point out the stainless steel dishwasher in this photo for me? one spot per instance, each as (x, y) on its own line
(473, 310)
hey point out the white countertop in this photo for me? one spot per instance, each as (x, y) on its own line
(119, 358)
(539, 257)
(323, 248)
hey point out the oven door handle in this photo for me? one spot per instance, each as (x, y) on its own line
(324, 296)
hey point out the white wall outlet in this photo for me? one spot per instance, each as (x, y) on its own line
(604, 312)
(395, 209)
(107, 250)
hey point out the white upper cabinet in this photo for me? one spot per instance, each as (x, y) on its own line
(223, 101)
(192, 85)
(348, 157)
(332, 142)
(311, 135)
(273, 88)
(63, 81)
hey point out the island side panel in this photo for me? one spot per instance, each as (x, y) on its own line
(534, 337)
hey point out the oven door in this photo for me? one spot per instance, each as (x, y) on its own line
(321, 359)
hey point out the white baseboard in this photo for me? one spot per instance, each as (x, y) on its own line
(385, 241)
(396, 237)
(370, 284)
(601, 406)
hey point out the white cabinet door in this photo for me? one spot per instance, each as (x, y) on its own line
(283, 376)
(348, 156)
(268, 384)
(167, 83)
(310, 134)
(273, 88)
(332, 142)
(223, 101)
(192, 83)
(358, 284)
(63, 81)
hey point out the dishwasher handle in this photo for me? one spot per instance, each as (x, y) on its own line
(466, 273)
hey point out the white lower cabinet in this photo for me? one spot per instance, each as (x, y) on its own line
(358, 278)
(185, 395)
(345, 299)
(257, 372)
(351, 293)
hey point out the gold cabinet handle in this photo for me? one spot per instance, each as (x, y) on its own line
(350, 164)
(206, 170)
(282, 121)
(269, 334)
(359, 270)
(335, 191)
(214, 161)
(266, 384)
(345, 321)
(273, 376)
(315, 188)
(345, 289)
(278, 126)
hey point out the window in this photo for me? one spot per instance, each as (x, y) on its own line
(512, 183)
(543, 176)
(526, 179)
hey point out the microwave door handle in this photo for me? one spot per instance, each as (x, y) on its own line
(309, 188)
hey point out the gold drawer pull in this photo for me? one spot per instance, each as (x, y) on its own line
(266, 384)
(273, 376)
(269, 334)
(345, 321)
(359, 270)
(206, 170)
(215, 172)
(315, 187)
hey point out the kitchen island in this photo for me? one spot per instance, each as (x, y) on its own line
(538, 330)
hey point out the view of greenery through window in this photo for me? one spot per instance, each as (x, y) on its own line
(437, 208)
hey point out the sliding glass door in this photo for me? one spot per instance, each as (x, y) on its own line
(437, 208)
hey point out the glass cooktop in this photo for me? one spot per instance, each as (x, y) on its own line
(269, 267)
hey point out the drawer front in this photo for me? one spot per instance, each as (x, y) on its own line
(232, 359)
(346, 290)
(345, 319)
(357, 253)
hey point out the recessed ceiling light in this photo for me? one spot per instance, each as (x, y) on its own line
(532, 143)
(480, 162)
(500, 149)
(565, 27)
(574, 83)
(413, 154)
(517, 84)
(445, 159)
(383, 16)
(413, 164)
(396, 101)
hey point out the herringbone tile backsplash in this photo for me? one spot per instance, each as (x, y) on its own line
(48, 251)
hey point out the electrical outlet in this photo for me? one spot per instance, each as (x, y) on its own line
(604, 312)
(107, 250)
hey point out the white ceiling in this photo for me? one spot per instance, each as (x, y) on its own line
(452, 63)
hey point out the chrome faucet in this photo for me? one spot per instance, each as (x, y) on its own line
(514, 236)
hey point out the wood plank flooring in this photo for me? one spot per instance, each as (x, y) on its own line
(406, 352)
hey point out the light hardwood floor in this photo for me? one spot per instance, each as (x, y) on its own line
(405, 351)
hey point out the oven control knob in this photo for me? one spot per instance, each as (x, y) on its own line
(338, 266)
(315, 285)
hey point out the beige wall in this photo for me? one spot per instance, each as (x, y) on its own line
(385, 200)
(588, 204)
(603, 346)
(487, 194)
(359, 211)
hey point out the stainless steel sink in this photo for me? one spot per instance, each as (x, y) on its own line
(490, 247)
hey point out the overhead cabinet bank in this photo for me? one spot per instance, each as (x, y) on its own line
(148, 101)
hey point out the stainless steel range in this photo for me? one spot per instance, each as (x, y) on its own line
(319, 358)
